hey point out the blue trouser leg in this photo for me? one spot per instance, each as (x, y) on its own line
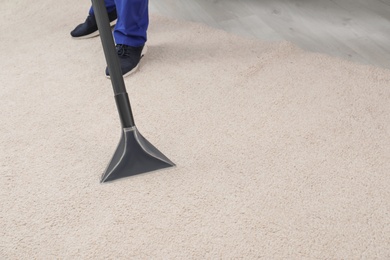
(132, 23)
(110, 5)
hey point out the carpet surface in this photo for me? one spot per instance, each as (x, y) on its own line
(280, 153)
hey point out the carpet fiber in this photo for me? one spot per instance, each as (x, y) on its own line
(280, 153)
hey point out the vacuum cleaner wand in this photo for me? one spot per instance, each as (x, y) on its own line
(113, 64)
(134, 154)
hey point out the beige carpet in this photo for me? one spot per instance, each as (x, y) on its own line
(280, 153)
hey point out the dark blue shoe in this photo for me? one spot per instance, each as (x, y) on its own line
(129, 58)
(89, 28)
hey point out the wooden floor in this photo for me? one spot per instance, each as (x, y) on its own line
(358, 30)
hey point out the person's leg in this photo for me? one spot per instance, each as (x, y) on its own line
(130, 33)
(132, 23)
(89, 28)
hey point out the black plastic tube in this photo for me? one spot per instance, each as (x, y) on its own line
(118, 85)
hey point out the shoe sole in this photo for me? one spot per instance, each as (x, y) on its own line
(94, 34)
(144, 50)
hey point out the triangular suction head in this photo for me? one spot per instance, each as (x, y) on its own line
(134, 155)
